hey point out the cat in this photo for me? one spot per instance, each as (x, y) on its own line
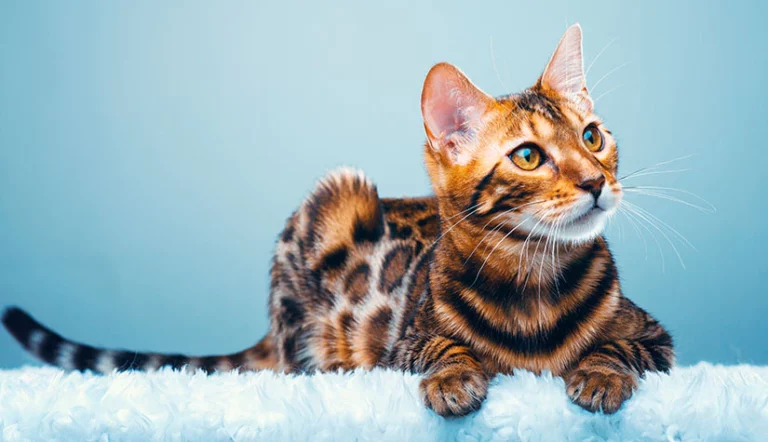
(504, 268)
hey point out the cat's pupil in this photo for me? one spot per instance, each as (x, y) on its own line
(589, 137)
(526, 154)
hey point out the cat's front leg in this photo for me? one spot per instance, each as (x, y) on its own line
(607, 376)
(455, 382)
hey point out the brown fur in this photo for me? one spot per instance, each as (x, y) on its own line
(444, 285)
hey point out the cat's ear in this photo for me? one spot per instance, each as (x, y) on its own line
(564, 73)
(453, 109)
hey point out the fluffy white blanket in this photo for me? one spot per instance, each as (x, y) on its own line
(703, 402)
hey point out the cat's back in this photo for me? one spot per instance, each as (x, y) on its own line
(348, 273)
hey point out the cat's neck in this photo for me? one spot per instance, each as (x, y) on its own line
(512, 262)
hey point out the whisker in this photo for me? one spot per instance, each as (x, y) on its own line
(550, 237)
(594, 86)
(680, 236)
(658, 172)
(631, 208)
(653, 236)
(497, 245)
(670, 198)
(712, 208)
(497, 228)
(463, 211)
(606, 93)
(495, 69)
(530, 269)
(555, 268)
(613, 221)
(457, 222)
(594, 60)
(636, 229)
(655, 166)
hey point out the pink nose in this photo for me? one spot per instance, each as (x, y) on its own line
(593, 186)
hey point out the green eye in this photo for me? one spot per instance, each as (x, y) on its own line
(592, 138)
(527, 157)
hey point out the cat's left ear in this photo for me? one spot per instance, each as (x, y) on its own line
(454, 110)
(564, 73)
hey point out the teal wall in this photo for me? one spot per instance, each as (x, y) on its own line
(150, 151)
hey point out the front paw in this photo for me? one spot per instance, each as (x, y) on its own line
(454, 391)
(597, 390)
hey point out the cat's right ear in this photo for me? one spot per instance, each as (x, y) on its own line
(453, 109)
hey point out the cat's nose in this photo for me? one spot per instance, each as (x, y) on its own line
(593, 186)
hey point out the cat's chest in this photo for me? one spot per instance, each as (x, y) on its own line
(510, 362)
(506, 342)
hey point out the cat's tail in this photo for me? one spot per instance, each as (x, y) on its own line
(54, 349)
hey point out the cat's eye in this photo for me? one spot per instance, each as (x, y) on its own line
(592, 138)
(527, 157)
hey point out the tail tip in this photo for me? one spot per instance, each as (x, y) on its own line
(19, 323)
(10, 314)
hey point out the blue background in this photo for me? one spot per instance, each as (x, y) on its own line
(151, 151)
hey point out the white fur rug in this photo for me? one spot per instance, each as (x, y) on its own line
(703, 402)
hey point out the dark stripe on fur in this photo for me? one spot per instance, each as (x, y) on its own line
(175, 361)
(85, 358)
(655, 347)
(547, 341)
(390, 277)
(334, 259)
(570, 278)
(128, 360)
(439, 356)
(539, 103)
(356, 284)
(480, 187)
(368, 231)
(49, 348)
(418, 288)
(208, 364)
(237, 360)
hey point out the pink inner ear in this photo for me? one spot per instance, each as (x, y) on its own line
(564, 73)
(451, 105)
(442, 112)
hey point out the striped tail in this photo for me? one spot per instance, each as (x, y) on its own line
(52, 348)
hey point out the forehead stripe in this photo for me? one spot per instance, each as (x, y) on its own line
(537, 103)
(532, 125)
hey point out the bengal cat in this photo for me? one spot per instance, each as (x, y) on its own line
(504, 268)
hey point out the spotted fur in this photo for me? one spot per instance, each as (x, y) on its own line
(444, 285)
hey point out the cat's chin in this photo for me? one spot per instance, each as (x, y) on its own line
(585, 228)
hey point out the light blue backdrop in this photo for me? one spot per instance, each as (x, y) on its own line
(150, 151)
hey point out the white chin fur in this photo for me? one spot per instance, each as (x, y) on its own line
(581, 231)
(579, 228)
(575, 231)
(585, 230)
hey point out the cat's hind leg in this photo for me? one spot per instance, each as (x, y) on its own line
(340, 219)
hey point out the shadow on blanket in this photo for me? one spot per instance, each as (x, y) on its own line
(694, 403)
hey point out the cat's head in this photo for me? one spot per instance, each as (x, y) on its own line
(540, 161)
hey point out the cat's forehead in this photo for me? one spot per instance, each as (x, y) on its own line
(531, 114)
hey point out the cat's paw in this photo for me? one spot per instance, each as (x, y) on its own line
(454, 392)
(595, 390)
